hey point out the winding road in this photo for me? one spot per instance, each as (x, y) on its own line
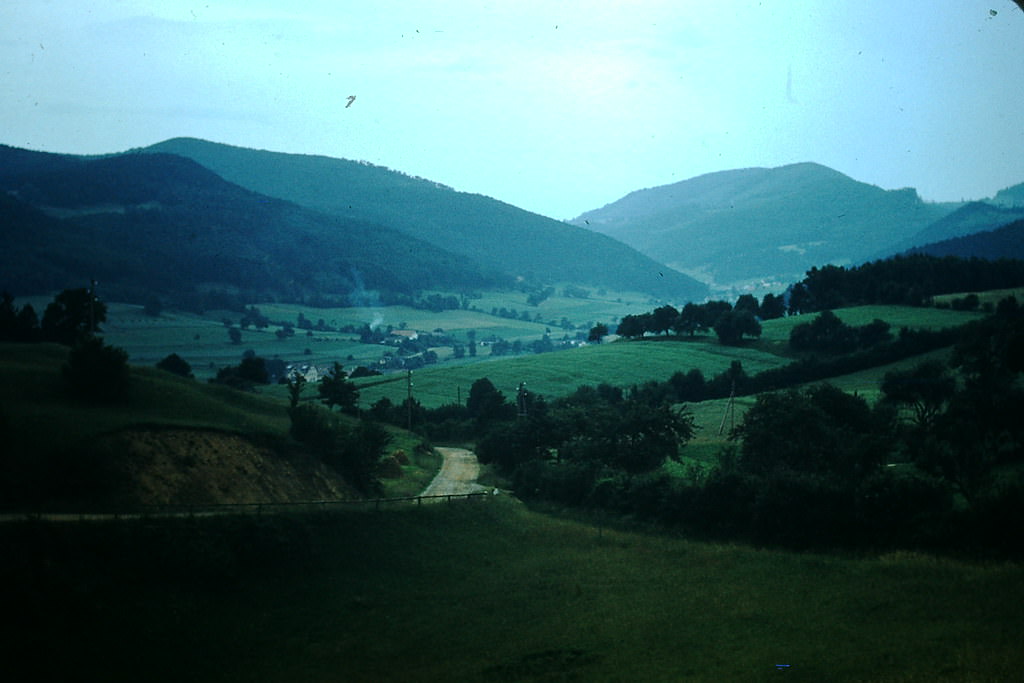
(457, 475)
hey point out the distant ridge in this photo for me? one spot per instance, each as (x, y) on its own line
(1012, 197)
(971, 218)
(494, 234)
(768, 224)
(147, 224)
(1006, 242)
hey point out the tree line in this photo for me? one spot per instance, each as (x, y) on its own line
(910, 280)
(730, 322)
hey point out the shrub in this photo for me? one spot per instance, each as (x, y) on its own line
(176, 365)
(801, 511)
(97, 371)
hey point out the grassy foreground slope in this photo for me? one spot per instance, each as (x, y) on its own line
(34, 401)
(170, 440)
(488, 591)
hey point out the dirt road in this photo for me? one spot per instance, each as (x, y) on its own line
(457, 475)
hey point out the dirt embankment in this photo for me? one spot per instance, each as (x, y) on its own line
(184, 466)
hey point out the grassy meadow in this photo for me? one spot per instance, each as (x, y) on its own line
(488, 591)
(775, 333)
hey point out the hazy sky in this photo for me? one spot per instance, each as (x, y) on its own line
(556, 107)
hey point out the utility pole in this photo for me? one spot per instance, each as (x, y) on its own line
(521, 399)
(408, 400)
(730, 410)
(92, 307)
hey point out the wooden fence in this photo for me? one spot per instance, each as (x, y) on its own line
(306, 506)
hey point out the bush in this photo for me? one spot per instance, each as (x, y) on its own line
(354, 453)
(724, 507)
(802, 511)
(895, 509)
(176, 365)
(96, 371)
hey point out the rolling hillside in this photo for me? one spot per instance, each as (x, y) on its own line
(489, 232)
(763, 224)
(147, 224)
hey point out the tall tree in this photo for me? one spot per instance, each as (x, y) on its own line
(926, 389)
(821, 430)
(663, 319)
(732, 326)
(772, 307)
(337, 390)
(486, 403)
(72, 314)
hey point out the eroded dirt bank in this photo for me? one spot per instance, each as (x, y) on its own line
(185, 466)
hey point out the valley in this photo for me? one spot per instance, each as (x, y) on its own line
(778, 479)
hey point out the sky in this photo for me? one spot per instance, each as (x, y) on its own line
(555, 107)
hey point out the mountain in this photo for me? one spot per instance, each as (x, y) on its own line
(495, 235)
(145, 224)
(767, 224)
(973, 217)
(1005, 242)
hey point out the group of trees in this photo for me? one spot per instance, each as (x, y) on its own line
(730, 322)
(94, 370)
(594, 430)
(965, 414)
(72, 315)
(826, 333)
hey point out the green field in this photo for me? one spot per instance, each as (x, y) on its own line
(556, 374)
(992, 297)
(202, 340)
(774, 331)
(489, 591)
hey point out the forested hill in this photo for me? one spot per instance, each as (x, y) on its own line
(1006, 242)
(491, 233)
(764, 223)
(971, 218)
(159, 224)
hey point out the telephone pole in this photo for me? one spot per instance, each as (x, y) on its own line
(730, 410)
(408, 400)
(521, 399)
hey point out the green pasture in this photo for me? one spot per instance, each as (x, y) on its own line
(992, 297)
(598, 307)
(913, 317)
(483, 591)
(556, 374)
(456, 322)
